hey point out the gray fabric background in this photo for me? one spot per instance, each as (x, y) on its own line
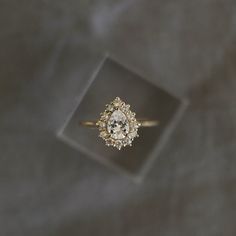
(48, 50)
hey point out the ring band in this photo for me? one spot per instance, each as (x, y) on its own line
(143, 123)
(118, 125)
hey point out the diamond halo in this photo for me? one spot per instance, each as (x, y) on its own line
(118, 125)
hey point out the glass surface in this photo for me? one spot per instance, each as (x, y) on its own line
(111, 79)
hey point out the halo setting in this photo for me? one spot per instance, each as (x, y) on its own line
(118, 125)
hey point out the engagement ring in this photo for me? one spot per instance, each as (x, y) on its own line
(118, 125)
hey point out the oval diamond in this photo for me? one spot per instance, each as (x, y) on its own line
(118, 125)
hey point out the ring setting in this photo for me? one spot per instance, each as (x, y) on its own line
(118, 125)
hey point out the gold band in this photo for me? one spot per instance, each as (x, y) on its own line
(143, 123)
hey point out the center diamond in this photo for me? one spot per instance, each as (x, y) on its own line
(118, 125)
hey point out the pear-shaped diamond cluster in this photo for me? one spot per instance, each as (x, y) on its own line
(118, 125)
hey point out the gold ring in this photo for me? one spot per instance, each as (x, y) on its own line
(118, 125)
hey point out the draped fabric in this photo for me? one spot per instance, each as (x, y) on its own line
(48, 51)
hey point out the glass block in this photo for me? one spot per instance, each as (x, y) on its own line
(112, 79)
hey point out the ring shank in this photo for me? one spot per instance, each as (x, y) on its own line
(143, 123)
(148, 123)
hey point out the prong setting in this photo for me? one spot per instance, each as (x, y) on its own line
(118, 125)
